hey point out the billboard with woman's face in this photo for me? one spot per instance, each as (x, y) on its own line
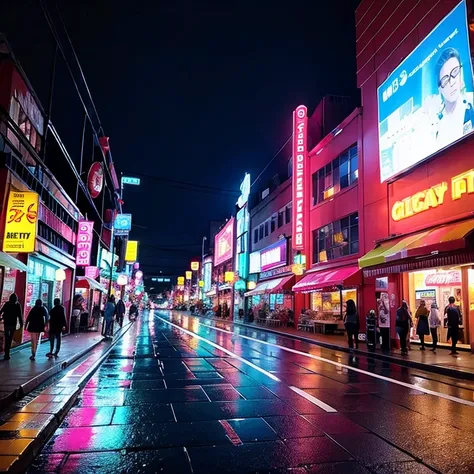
(426, 104)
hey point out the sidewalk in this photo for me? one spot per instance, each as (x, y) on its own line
(20, 375)
(461, 366)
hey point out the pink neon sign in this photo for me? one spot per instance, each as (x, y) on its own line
(300, 171)
(84, 243)
(273, 256)
(224, 244)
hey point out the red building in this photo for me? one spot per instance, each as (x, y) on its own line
(417, 211)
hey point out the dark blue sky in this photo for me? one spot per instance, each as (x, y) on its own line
(193, 91)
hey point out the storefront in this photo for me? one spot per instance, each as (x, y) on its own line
(328, 293)
(88, 294)
(273, 294)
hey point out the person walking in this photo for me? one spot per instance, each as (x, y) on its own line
(351, 323)
(109, 313)
(403, 325)
(11, 315)
(434, 322)
(35, 325)
(133, 312)
(120, 309)
(454, 320)
(57, 324)
(422, 325)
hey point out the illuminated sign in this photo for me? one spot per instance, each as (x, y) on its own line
(245, 191)
(274, 256)
(239, 285)
(462, 184)
(426, 103)
(131, 252)
(194, 266)
(130, 180)
(255, 266)
(180, 281)
(251, 285)
(91, 272)
(207, 270)
(224, 243)
(201, 283)
(122, 224)
(300, 171)
(443, 278)
(95, 179)
(84, 243)
(20, 223)
(189, 275)
(229, 277)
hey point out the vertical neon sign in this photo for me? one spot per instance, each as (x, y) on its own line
(84, 243)
(300, 165)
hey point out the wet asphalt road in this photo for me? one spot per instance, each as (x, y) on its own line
(203, 399)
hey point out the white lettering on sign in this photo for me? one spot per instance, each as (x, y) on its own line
(271, 256)
(443, 278)
(300, 125)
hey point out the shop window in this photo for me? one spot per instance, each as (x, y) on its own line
(336, 175)
(280, 219)
(288, 214)
(327, 304)
(337, 239)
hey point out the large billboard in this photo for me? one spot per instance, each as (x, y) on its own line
(274, 256)
(224, 243)
(426, 104)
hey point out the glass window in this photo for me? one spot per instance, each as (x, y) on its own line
(273, 223)
(266, 228)
(255, 235)
(288, 214)
(280, 219)
(260, 232)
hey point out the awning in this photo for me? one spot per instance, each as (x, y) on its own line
(446, 238)
(277, 285)
(86, 282)
(345, 276)
(9, 261)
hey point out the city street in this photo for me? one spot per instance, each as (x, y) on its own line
(187, 394)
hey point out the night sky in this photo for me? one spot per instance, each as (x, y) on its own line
(191, 91)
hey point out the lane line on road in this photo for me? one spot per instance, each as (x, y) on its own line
(348, 367)
(300, 392)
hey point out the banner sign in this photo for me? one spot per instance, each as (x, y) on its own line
(426, 104)
(274, 256)
(224, 243)
(300, 171)
(131, 253)
(84, 243)
(21, 222)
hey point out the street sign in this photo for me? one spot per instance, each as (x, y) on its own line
(130, 180)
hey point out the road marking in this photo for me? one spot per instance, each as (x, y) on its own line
(308, 397)
(354, 369)
(314, 400)
(230, 432)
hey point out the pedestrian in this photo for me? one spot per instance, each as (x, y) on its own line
(109, 314)
(57, 324)
(35, 324)
(403, 325)
(351, 323)
(12, 317)
(435, 323)
(120, 311)
(454, 320)
(422, 325)
(133, 312)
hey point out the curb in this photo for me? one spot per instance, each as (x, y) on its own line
(24, 460)
(458, 374)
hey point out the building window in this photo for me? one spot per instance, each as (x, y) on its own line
(340, 173)
(255, 236)
(266, 228)
(273, 224)
(260, 232)
(288, 214)
(337, 239)
(280, 219)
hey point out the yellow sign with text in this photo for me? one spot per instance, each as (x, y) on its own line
(21, 222)
(461, 185)
(131, 252)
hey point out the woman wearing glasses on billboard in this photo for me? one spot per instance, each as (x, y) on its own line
(456, 117)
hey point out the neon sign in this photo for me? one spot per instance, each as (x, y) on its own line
(84, 243)
(273, 256)
(224, 244)
(461, 185)
(300, 130)
(245, 191)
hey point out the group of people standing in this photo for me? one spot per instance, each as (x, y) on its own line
(116, 311)
(428, 322)
(37, 322)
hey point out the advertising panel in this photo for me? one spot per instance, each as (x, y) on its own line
(207, 270)
(123, 224)
(274, 256)
(131, 253)
(95, 179)
(84, 243)
(21, 221)
(426, 104)
(224, 243)
(255, 266)
(300, 172)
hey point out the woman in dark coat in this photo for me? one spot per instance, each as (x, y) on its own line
(35, 324)
(422, 326)
(11, 315)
